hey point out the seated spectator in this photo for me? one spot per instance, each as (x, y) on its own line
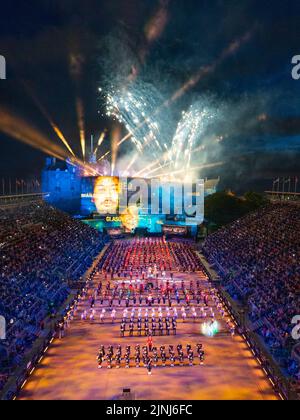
(43, 251)
(258, 257)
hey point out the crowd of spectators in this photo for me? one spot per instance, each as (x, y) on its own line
(135, 257)
(258, 259)
(43, 253)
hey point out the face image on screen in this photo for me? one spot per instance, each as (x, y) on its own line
(106, 195)
(130, 218)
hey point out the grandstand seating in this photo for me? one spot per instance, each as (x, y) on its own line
(42, 253)
(258, 258)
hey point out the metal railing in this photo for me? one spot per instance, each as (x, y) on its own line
(11, 200)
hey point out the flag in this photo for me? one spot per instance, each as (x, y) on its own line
(287, 181)
(276, 181)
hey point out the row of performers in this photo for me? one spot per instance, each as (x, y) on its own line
(150, 356)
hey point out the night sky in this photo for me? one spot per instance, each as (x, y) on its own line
(38, 37)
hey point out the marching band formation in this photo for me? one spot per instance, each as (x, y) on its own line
(149, 356)
(131, 289)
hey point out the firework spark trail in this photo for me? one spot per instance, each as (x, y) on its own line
(128, 136)
(199, 149)
(195, 79)
(197, 168)
(115, 138)
(157, 24)
(134, 108)
(131, 163)
(157, 169)
(62, 137)
(76, 61)
(190, 128)
(192, 82)
(153, 31)
(100, 141)
(14, 126)
(80, 116)
(45, 113)
(150, 166)
(104, 156)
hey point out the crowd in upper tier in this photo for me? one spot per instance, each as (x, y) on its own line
(258, 257)
(42, 251)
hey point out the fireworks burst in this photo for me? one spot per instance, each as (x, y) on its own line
(135, 108)
(145, 105)
(152, 134)
(189, 130)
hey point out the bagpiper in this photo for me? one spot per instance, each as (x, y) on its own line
(131, 329)
(155, 357)
(191, 358)
(164, 358)
(149, 366)
(172, 359)
(100, 360)
(181, 358)
(122, 328)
